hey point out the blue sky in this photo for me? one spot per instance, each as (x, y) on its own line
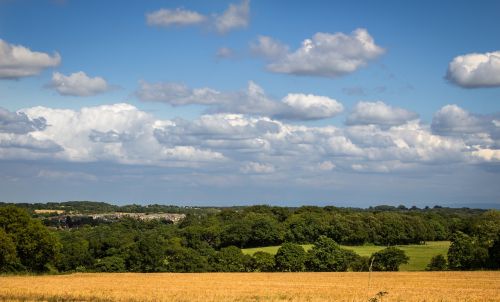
(235, 102)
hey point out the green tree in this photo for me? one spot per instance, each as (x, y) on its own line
(263, 262)
(8, 257)
(148, 253)
(466, 253)
(388, 259)
(75, 252)
(290, 257)
(230, 259)
(36, 247)
(306, 225)
(185, 260)
(438, 263)
(494, 254)
(265, 230)
(110, 264)
(360, 264)
(327, 256)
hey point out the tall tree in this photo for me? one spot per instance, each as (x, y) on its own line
(290, 258)
(388, 259)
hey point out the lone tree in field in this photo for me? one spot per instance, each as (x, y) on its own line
(388, 259)
(290, 258)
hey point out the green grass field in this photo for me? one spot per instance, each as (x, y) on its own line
(420, 254)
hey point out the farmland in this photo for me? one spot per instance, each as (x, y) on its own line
(400, 286)
(419, 254)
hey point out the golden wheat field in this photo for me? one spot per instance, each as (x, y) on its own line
(399, 286)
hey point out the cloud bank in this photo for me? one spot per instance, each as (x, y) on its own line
(253, 101)
(222, 142)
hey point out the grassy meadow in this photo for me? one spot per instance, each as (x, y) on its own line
(243, 287)
(420, 254)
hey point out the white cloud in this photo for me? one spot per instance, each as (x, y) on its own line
(18, 122)
(176, 94)
(453, 119)
(475, 70)
(268, 48)
(27, 143)
(78, 84)
(308, 106)
(252, 100)
(257, 168)
(236, 16)
(487, 155)
(325, 54)
(476, 130)
(379, 113)
(218, 144)
(116, 133)
(177, 17)
(17, 61)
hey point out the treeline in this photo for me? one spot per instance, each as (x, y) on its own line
(211, 241)
(93, 207)
(265, 225)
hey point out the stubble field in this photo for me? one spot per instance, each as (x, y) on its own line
(400, 286)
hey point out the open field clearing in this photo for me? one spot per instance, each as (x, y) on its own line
(400, 286)
(420, 254)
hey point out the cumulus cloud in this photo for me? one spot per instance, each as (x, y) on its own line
(487, 155)
(476, 130)
(236, 16)
(451, 119)
(324, 55)
(19, 123)
(78, 84)
(10, 144)
(220, 144)
(177, 17)
(17, 61)
(310, 107)
(115, 133)
(379, 113)
(130, 146)
(252, 100)
(475, 70)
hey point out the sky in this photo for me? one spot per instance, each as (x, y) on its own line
(346, 103)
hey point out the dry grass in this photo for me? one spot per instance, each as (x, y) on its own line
(401, 286)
